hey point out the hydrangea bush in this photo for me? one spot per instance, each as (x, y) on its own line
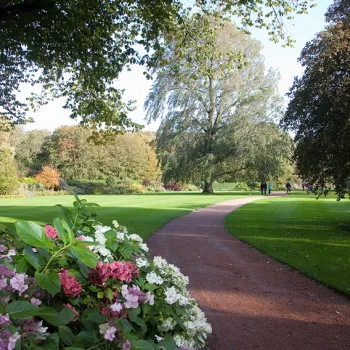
(81, 285)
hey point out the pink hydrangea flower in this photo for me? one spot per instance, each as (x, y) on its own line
(108, 331)
(3, 282)
(35, 301)
(116, 307)
(126, 345)
(51, 232)
(124, 271)
(5, 320)
(71, 287)
(12, 341)
(18, 282)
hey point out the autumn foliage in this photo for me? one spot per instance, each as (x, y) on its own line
(49, 177)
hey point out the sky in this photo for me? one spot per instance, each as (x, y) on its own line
(137, 86)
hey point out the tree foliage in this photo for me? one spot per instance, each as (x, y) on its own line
(319, 109)
(77, 49)
(71, 150)
(49, 177)
(217, 102)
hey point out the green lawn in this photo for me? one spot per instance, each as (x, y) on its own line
(301, 232)
(142, 214)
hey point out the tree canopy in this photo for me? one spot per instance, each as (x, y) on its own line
(217, 103)
(77, 49)
(319, 108)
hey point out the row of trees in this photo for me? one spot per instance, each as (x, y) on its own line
(71, 150)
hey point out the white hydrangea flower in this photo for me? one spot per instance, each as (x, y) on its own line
(144, 247)
(168, 324)
(100, 238)
(158, 338)
(159, 262)
(182, 342)
(115, 223)
(152, 277)
(120, 236)
(136, 238)
(172, 296)
(141, 262)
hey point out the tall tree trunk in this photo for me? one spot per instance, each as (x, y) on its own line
(208, 187)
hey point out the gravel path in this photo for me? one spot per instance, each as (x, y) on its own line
(252, 301)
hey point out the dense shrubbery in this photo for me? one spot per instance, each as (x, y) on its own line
(82, 285)
(173, 186)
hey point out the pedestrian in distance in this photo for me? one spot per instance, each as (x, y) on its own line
(269, 187)
(288, 187)
(262, 188)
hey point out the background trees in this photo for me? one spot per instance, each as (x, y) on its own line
(217, 102)
(319, 109)
(76, 49)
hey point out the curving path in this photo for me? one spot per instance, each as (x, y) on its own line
(252, 301)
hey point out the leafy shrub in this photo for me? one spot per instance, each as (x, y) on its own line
(31, 182)
(48, 177)
(111, 181)
(9, 181)
(82, 285)
(147, 182)
(173, 186)
(190, 187)
(156, 188)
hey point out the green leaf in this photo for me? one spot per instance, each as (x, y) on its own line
(61, 318)
(49, 281)
(85, 255)
(66, 335)
(21, 309)
(32, 234)
(132, 313)
(85, 339)
(73, 348)
(70, 232)
(143, 345)
(31, 257)
(52, 342)
(168, 343)
(60, 230)
(109, 294)
(124, 325)
(151, 287)
(22, 265)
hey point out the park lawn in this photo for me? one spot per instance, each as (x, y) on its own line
(142, 214)
(301, 232)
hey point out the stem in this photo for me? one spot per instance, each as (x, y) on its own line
(54, 256)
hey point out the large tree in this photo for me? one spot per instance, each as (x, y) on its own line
(77, 49)
(217, 101)
(319, 109)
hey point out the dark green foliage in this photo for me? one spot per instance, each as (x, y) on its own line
(77, 49)
(320, 104)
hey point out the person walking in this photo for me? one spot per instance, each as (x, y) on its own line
(288, 187)
(262, 188)
(269, 187)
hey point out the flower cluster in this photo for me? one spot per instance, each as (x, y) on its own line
(81, 284)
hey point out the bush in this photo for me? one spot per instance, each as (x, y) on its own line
(9, 181)
(147, 182)
(48, 177)
(233, 186)
(31, 183)
(190, 187)
(156, 188)
(173, 186)
(111, 181)
(98, 290)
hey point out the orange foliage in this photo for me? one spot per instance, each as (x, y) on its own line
(49, 177)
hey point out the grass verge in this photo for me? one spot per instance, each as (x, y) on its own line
(301, 232)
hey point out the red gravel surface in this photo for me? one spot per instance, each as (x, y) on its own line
(252, 301)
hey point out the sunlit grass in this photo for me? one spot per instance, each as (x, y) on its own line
(142, 214)
(301, 232)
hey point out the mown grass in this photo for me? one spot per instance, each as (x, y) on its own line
(142, 214)
(301, 232)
